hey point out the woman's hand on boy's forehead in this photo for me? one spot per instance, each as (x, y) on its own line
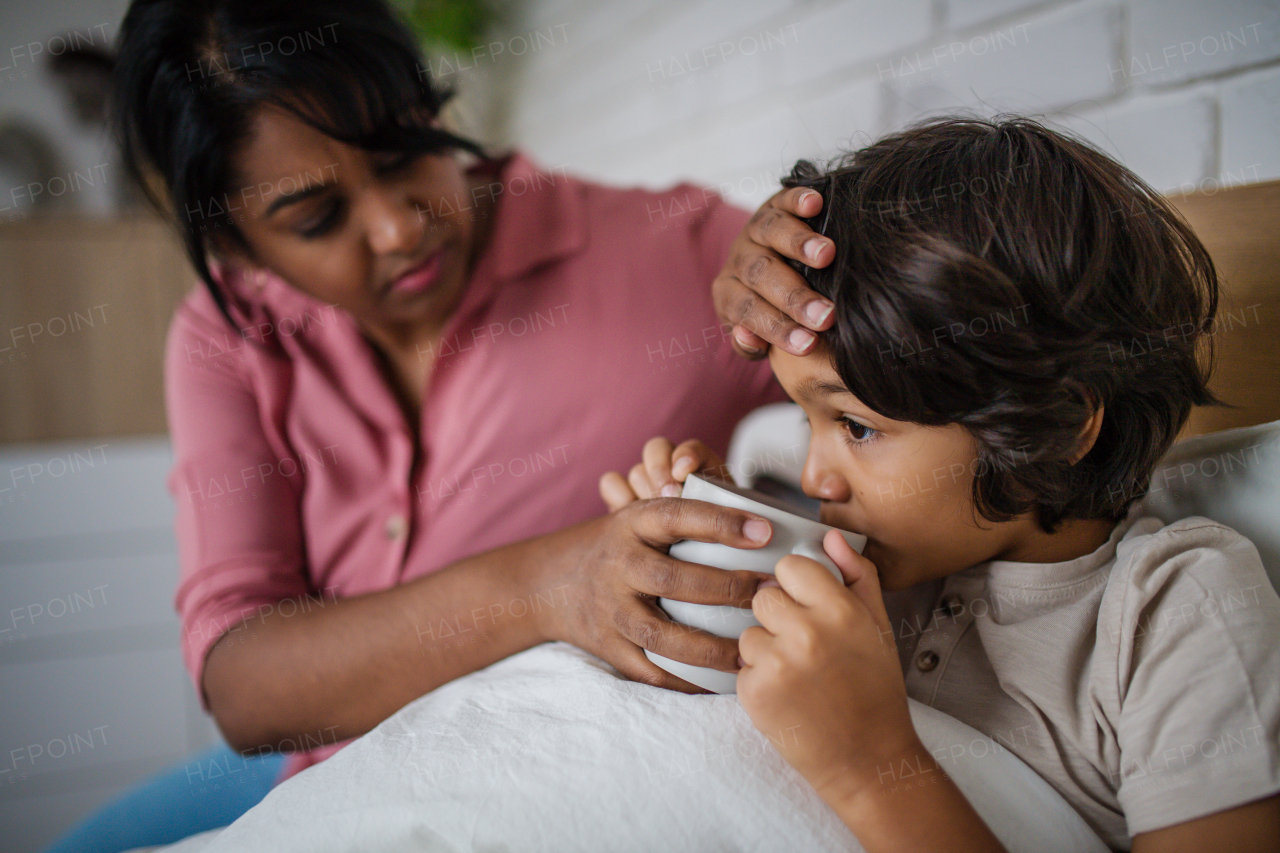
(763, 298)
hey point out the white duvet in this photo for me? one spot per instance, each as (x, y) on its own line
(552, 750)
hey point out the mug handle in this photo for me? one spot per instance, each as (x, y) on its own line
(805, 549)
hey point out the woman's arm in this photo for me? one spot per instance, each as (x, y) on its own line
(335, 672)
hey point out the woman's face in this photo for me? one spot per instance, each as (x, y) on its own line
(906, 487)
(388, 237)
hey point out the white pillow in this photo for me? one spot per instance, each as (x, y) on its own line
(1232, 477)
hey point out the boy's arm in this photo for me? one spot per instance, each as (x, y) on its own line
(819, 678)
(931, 814)
(1244, 829)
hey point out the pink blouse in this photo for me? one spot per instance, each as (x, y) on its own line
(587, 327)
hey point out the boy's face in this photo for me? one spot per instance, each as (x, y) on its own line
(906, 487)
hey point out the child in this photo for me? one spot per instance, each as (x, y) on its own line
(980, 413)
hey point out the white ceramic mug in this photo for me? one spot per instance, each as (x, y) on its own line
(793, 533)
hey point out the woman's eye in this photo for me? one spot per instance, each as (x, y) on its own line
(395, 162)
(321, 225)
(858, 432)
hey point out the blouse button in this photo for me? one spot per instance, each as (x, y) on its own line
(953, 604)
(395, 526)
(926, 661)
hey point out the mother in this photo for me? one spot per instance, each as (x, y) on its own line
(392, 400)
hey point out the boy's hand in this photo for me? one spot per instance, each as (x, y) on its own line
(822, 677)
(662, 469)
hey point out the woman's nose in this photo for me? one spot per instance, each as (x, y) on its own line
(391, 222)
(820, 481)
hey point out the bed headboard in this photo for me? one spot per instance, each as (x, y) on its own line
(1240, 226)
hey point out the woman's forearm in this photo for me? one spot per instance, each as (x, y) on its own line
(324, 674)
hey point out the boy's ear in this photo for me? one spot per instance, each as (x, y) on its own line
(1089, 434)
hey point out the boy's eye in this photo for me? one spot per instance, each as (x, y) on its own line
(858, 432)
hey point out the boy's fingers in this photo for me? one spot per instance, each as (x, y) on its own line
(693, 455)
(640, 484)
(615, 492)
(774, 608)
(752, 644)
(807, 581)
(850, 563)
(860, 575)
(656, 457)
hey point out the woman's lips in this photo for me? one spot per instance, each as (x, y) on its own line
(422, 277)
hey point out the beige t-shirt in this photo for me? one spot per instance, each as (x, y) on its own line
(1142, 681)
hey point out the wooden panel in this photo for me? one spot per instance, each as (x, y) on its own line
(84, 306)
(1241, 228)
(85, 303)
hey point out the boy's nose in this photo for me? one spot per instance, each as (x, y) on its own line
(822, 483)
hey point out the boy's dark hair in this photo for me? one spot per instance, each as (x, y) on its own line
(191, 74)
(1008, 278)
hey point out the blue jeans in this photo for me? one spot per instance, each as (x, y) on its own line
(209, 791)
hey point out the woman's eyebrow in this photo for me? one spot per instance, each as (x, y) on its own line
(290, 198)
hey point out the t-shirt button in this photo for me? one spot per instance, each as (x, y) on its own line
(926, 661)
(395, 526)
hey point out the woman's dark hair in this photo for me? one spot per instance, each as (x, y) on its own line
(1008, 278)
(191, 74)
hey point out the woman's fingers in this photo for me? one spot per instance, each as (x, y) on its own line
(667, 520)
(649, 628)
(615, 491)
(783, 231)
(768, 302)
(748, 309)
(630, 660)
(661, 522)
(698, 584)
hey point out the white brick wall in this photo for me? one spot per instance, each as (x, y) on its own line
(1168, 139)
(1037, 64)
(1181, 41)
(1186, 92)
(1250, 107)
